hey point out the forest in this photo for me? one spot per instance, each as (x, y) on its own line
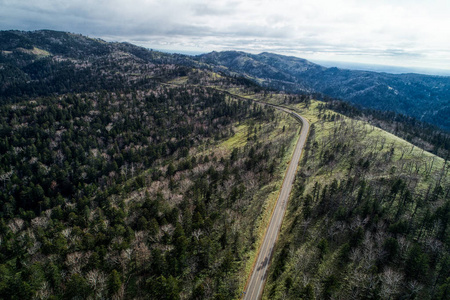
(368, 219)
(127, 173)
(421, 134)
(125, 195)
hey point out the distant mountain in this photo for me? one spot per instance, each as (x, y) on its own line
(135, 174)
(382, 68)
(128, 174)
(75, 46)
(424, 97)
(46, 62)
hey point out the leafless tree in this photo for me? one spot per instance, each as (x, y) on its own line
(390, 283)
(97, 281)
(5, 177)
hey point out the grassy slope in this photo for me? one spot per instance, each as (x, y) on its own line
(271, 192)
(280, 132)
(305, 269)
(283, 127)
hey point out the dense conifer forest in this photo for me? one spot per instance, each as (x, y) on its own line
(127, 194)
(127, 173)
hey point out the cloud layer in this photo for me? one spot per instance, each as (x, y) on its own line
(401, 32)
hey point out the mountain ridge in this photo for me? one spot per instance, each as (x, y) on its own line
(135, 174)
(424, 97)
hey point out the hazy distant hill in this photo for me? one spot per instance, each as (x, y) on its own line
(424, 97)
(277, 71)
(46, 62)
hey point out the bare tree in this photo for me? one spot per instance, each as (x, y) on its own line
(5, 177)
(390, 283)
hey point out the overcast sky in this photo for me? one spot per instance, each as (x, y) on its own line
(413, 33)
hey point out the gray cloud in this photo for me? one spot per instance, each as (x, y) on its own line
(206, 9)
(375, 31)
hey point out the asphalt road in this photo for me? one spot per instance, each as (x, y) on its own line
(255, 285)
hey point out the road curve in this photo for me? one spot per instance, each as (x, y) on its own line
(257, 280)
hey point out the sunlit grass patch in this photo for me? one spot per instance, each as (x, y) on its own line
(239, 139)
(179, 80)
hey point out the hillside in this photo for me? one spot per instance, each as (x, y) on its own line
(123, 195)
(152, 186)
(369, 218)
(43, 63)
(134, 174)
(423, 97)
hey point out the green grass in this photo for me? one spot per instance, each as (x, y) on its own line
(368, 141)
(36, 51)
(404, 152)
(179, 80)
(407, 161)
(239, 139)
(269, 193)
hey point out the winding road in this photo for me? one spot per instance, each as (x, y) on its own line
(257, 280)
(255, 284)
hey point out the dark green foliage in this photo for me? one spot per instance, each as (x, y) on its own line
(417, 264)
(357, 238)
(170, 170)
(280, 262)
(77, 288)
(323, 248)
(308, 292)
(330, 285)
(391, 247)
(344, 254)
(80, 171)
(444, 290)
(71, 167)
(399, 227)
(227, 262)
(164, 288)
(199, 292)
(114, 282)
(378, 229)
